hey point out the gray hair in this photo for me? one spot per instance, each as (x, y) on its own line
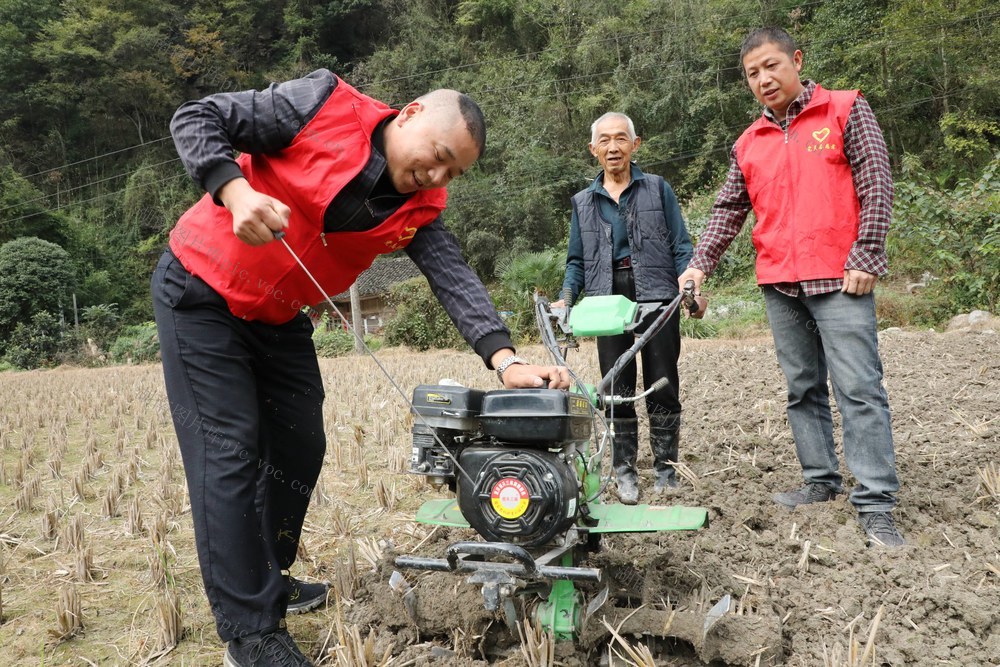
(612, 114)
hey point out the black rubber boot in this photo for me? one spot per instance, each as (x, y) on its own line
(664, 437)
(626, 449)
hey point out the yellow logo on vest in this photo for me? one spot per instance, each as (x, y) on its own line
(820, 136)
(403, 239)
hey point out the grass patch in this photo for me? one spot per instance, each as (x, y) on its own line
(735, 310)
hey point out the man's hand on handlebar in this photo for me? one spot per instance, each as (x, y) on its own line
(695, 276)
(529, 376)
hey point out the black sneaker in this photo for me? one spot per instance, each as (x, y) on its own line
(304, 596)
(880, 529)
(810, 493)
(269, 648)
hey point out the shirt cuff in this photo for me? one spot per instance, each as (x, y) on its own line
(218, 176)
(487, 346)
(860, 259)
(702, 264)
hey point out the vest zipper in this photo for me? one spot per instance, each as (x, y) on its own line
(792, 194)
(322, 237)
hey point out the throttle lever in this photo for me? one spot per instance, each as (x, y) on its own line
(696, 305)
(689, 300)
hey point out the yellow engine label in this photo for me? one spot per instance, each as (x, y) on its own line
(510, 498)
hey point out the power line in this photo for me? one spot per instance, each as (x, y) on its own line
(495, 91)
(573, 45)
(94, 198)
(675, 157)
(503, 191)
(90, 159)
(577, 77)
(85, 185)
(915, 28)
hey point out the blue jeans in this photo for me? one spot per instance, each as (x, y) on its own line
(836, 333)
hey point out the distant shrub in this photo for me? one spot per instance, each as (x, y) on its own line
(332, 342)
(950, 234)
(335, 341)
(900, 309)
(35, 343)
(739, 260)
(519, 277)
(137, 344)
(420, 322)
(101, 323)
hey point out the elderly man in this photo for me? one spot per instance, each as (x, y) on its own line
(345, 177)
(627, 237)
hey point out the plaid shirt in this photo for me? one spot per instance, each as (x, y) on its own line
(865, 150)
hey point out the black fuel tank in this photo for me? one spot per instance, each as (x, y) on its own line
(537, 417)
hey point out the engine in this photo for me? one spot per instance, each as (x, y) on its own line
(516, 452)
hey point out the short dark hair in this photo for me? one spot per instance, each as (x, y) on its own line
(768, 35)
(475, 122)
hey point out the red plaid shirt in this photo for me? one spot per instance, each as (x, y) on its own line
(865, 150)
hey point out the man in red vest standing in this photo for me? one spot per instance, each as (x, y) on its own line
(345, 178)
(815, 170)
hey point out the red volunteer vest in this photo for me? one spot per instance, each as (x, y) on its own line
(800, 186)
(264, 283)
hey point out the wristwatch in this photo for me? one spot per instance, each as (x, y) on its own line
(507, 363)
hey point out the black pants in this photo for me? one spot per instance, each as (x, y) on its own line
(659, 358)
(246, 400)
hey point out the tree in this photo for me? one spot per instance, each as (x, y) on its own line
(25, 210)
(35, 276)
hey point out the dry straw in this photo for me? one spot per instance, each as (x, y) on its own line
(339, 523)
(168, 620)
(158, 559)
(989, 484)
(346, 579)
(353, 651)
(855, 655)
(69, 619)
(386, 495)
(74, 544)
(79, 490)
(639, 655)
(50, 519)
(133, 518)
(25, 501)
(537, 646)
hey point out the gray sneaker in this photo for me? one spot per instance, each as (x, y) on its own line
(880, 529)
(810, 493)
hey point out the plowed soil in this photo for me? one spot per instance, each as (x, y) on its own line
(806, 589)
